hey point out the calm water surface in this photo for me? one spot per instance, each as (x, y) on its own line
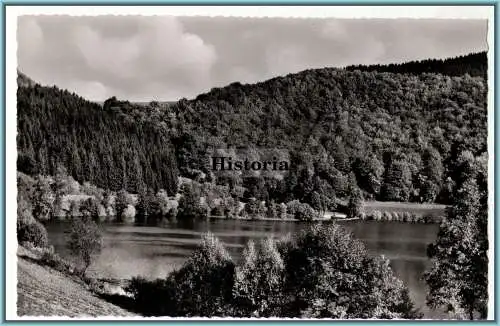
(154, 251)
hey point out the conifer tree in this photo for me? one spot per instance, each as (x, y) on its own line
(458, 277)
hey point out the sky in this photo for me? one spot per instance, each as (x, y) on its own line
(165, 58)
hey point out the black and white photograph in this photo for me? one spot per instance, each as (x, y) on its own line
(308, 165)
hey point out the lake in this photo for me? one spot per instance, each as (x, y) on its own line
(155, 251)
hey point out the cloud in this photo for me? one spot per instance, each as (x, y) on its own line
(30, 36)
(92, 55)
(285, 59)
(141, 58)
(90, 89)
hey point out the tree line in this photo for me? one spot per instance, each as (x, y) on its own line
(474, 64)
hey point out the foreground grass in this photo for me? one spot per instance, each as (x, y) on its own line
(43, 291)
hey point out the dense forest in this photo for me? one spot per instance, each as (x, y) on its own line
(392, 136)
(475, 64)
(104, 145)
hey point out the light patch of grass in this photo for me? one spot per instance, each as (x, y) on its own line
(413, 208)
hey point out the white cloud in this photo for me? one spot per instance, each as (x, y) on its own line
(95, 57)
(30, 36)
(90, 89)
(113, 56)
(285, 59)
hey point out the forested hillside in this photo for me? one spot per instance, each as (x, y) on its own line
(475, 64)
(396, 137)
(107, 146)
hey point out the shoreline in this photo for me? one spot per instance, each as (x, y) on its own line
(326, 219)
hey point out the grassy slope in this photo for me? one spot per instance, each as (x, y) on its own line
(43, 291)
(414, 208)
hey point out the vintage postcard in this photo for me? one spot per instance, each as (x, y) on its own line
(249, 162)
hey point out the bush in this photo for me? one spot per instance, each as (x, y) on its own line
(355, 204)
(218, 210)
(34, 233)
(190, 207)
(85, 240)
(43, 198)
(203, 286)
(376, 216)
(258, 286)
(317, 287)
(292, 207)
(94, 285)
(398, 217)
(282, 210)
(128, 215)
(253, 209)
(429, 218)
(386, 216)
(363, 216)
(74, 209)
(122, 201)
(54, 261)
(24, 211)
(305, 213)
(101, 213)
(152, 298)
(272, 210)
(110, 213)
(300, 211)
(40, 251)
(90, 208)
(163, 203)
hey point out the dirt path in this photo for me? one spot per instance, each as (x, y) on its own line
(43, 291)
